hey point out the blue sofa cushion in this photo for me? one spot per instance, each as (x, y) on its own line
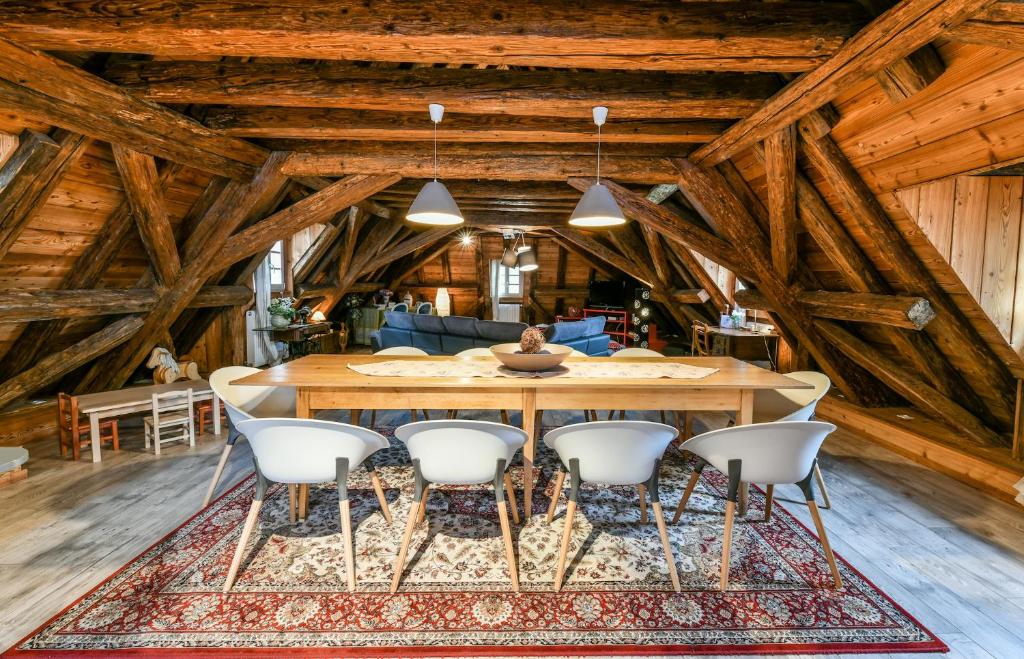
(567, 331)
(425, 323)
(428, 342)
(452, 344)
(389, 337)
(460, 326)
(500, 331)
(399, 320)
(595, 325)
(597, 345)
(576, 344)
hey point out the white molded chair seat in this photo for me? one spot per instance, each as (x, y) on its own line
(244, 402)
(302, 451)
(398, 351)
(773, 453)
(795, 405)
(461, 452)
(611, 453)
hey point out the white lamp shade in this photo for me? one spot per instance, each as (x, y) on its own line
(443, 302)
(597, 208)
(527, 261)
(434, 205)
(509, 258)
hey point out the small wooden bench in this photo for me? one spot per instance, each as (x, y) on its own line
(11, 459)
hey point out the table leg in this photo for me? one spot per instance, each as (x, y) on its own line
(94, 436)
(215, 402)
(529, 450)
(744, 416)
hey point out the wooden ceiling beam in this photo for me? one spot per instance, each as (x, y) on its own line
(497, 166)
(895, 34)
(425, 150)
(26, 306)
(628, 94)
(780, 172)
(344, 124)
(906, 311)
(60, 94)
(653, 34)
(408, 246)
(590, 245)
(490, 190)
(1000, 25)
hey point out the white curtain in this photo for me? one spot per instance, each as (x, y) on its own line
(506, 312)
(266, 349)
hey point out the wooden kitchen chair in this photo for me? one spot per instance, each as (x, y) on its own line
(173, 409)
(700, 340)
(75, 435)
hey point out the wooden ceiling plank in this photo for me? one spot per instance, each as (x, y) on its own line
(628, 94)
(64, 95)
(146, 199)
(895, 34)
(653, 34)
(1001, 25)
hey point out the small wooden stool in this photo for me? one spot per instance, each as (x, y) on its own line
(11, 459)
(71, 432)
(204, 409)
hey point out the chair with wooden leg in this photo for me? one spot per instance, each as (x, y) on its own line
(171, 409)
(612, 453)
(460, 452)
(773, 453)
(243, 402)
(406, 351)
(795, 405)
(303, 451)
(74, 435)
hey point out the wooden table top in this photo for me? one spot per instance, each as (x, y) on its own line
(331, 371)
(88, 403)
(732, 331)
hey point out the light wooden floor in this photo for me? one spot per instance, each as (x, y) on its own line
(952, 556)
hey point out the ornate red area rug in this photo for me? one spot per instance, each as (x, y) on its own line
(290, 598)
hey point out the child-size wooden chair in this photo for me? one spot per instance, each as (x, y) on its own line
(204, 413)
(173, 409)
(75, 435)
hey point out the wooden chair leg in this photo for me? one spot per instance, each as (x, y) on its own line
(504, 417)
(303, 501)
(563, 550)
(379, 489)
(826, 502)
(510, 492)
(292, 503)
(426, 414)
(678, 419)
(373, 419)
(769, 498)
(692, 483)
(355, 417)
(559, 481)
(730, 512)
(510, 554)
(643, 503)
(663, 417)
(250, 524)
(423, 505)
(217, 473)
(117, 446)
(659, 518)
(687, 425)
(403, 549)
(829, 556)
(413, 416)
(350, 554)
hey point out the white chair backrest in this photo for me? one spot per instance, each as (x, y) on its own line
(245, 401)
(475, 352)
(577, 353)
(636, 352)
(171, 401)
(781, 452)
(407, 351)
(792, 404)
(305, 450)
(612, 452)
(460, 452)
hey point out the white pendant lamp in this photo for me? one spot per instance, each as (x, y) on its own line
(597, 208)
(528, 261)
(434, 204)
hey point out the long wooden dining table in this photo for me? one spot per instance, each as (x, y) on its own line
(325, 382)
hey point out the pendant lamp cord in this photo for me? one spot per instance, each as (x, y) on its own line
(435, 150)
(599, 153)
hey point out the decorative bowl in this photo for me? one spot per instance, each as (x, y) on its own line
(551, 356)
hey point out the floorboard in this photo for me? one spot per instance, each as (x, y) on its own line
(952, 556)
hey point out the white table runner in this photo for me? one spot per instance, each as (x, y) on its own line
(471, 368)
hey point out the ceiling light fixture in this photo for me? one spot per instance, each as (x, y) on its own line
(434, 204)
(597, 207)
(528, 261)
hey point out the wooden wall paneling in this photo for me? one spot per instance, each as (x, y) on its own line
(1000, 276)
(936, 204)
(967, 253)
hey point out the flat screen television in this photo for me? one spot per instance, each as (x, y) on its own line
(610, 294)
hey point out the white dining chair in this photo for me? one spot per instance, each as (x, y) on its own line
(243, 402)
(469, 353)
(795, 405)
(637, 352)
(171, 409)
(611, 453)
(461, 452)
(398, 351)
(776, 453)
(302, 451)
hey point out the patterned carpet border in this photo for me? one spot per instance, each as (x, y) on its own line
(927, 642)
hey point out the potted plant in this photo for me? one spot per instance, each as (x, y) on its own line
(281, 312)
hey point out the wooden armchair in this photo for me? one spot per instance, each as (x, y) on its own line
(75, 435)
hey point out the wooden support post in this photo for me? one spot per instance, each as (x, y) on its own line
(780, 169)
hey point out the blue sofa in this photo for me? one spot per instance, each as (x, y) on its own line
(447, 335)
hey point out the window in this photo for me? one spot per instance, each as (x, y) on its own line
(508, 281)
(276, 261)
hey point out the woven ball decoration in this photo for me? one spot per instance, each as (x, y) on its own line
(532, 341)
